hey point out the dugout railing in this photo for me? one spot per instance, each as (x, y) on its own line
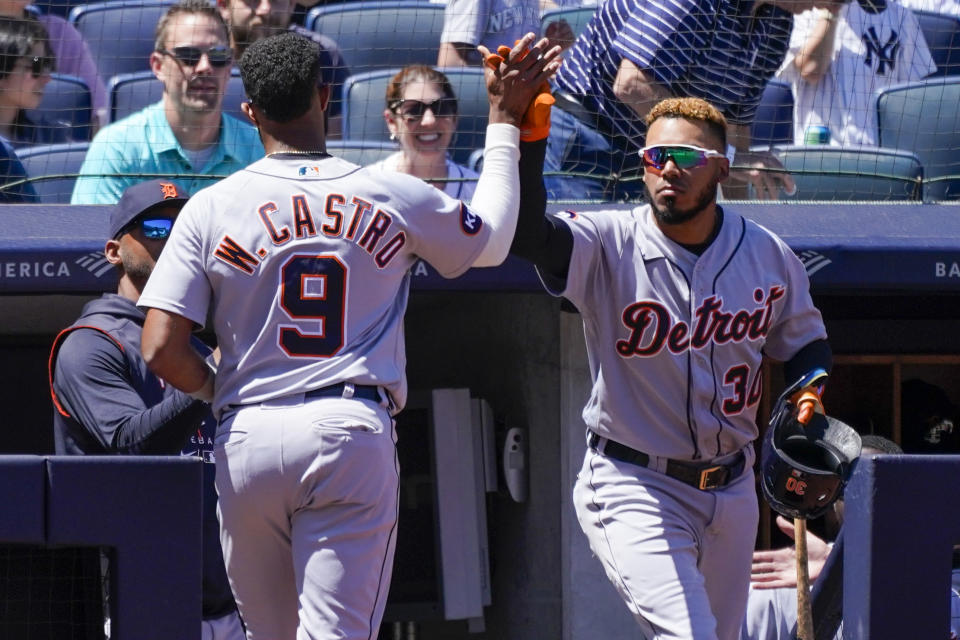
(142, 513)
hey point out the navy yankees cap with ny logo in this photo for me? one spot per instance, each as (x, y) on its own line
(141, 198)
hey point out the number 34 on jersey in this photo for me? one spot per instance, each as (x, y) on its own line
(653, 328)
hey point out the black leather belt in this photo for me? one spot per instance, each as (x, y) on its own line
(362, 391)
(700, 476)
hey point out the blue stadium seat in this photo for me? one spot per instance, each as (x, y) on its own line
(924, 117)
(823, 172)
(773, 123)
(381, 34)
(119, 33)
(361, 152)
(942, 34)
(61, 162)
(364, 102)
(66, 100)
(475, 161)
(60, 8)
(576, 17)
(131, 92)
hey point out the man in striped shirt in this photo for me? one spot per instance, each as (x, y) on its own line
(634, 54)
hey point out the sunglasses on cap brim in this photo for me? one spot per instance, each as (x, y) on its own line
(152, 227)
(685, 156)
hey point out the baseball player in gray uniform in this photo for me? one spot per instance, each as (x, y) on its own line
(302, 261)
(680, 300)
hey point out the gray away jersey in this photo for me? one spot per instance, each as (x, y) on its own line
(675, 341)
(306, 263)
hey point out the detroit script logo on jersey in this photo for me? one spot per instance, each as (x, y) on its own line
(652, 327)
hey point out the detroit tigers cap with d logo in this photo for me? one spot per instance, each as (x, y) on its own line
(141, 198)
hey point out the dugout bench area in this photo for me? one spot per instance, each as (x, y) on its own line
(886, 277)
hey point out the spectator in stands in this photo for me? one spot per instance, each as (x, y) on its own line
(185, 136)
(107, 401)
(840, 55)
(25, 65)
(772, 603)
(250, 20)
(70, 50)
(633, 54)
(945, 7)
(421, 114)
(467, 23)
(12, 173)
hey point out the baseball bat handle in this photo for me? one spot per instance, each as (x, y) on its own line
(804, 605)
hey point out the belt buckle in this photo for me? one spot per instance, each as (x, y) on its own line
(707, 480)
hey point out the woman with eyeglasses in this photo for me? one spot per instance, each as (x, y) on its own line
(26, 62)
(421, 114)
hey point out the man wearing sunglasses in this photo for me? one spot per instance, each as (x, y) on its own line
(185, 137)
(106, 400)
(680, 300)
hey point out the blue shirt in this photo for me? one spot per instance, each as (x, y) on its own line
(719, 50)
(143, 143)
(12, 171)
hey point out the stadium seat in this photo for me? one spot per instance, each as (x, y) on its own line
(475, 161)
(120, 33)
(61, 162)
(131, 92)
(364, 102)
(576, 17)
(823, 172)
(381, 34)
(60, 8)
(942, 34)
(66, 100)
(361, 152)
(773, 123)
(924, 117)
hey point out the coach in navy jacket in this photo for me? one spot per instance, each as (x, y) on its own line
(105, 399)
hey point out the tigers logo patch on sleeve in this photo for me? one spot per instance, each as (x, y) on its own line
(469, 221)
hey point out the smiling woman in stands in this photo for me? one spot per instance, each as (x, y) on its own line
(26, 62)
(422, 115)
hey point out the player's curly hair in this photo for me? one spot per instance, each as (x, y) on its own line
(691, 109)
(203, 7)
(280, 75)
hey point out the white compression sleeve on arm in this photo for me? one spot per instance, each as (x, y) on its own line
(497, 197)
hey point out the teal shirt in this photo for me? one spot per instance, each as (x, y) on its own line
(144, 144)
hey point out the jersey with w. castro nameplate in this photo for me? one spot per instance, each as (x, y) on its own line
(331, 246)
(680, 337)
